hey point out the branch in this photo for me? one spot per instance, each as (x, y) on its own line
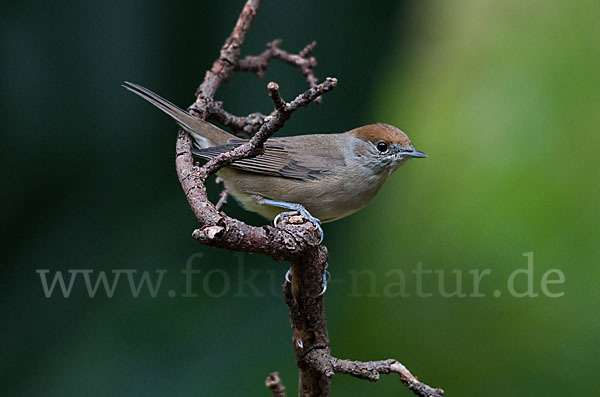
(273, 382)
(223, 195)
(291, 240)
(228, 57)
(322, 362)
(305, 64)
(245, 126)
(370, 370)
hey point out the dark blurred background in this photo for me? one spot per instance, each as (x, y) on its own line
(503, 96)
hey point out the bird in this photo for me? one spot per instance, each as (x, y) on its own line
(324, 177)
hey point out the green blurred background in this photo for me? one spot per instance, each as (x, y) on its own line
(503, 96)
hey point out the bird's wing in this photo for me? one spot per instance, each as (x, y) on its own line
(304, 157)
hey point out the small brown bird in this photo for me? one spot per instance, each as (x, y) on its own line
(327, 175)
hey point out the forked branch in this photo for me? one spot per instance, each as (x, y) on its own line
(290, 240)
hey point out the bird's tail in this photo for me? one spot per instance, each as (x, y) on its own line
(204, 134)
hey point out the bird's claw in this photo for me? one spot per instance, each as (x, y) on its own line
(326, 278)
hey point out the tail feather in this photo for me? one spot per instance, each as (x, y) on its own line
(203, 133)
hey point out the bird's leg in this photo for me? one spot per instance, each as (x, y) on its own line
(295, 208)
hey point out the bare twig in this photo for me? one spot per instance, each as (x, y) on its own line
(273, 382)
(275, 96)
(241, 126)
(223, 195)
(411, 381)
(370, 370)
(258, 64)
(213, 110)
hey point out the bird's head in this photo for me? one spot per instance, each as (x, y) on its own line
(383, 147)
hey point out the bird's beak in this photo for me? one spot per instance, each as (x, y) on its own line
(415, 154)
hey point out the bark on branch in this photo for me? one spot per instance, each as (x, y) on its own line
(370, 370)
(290, 240)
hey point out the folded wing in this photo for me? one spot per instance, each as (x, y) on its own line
(284, 157)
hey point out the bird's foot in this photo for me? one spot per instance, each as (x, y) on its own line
(294, 210)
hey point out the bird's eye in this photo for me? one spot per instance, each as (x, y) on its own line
(382, 147)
